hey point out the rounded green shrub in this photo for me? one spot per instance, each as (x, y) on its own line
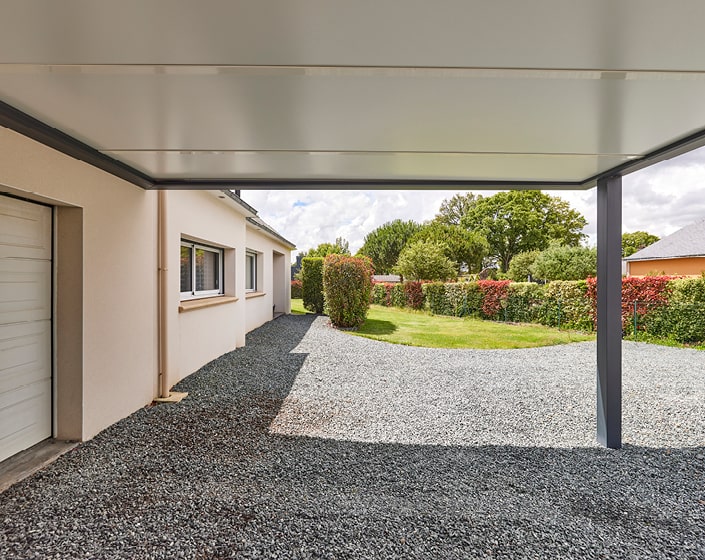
(347, 288)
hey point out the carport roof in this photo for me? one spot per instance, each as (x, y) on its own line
(321, 93)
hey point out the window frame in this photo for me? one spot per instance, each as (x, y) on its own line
(194, 293)
(251, 263)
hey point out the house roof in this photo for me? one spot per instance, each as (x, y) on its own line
(260, 224)
(386, 278)
(686, 242)
(343, 93)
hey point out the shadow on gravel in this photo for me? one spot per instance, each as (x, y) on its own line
(205, 479)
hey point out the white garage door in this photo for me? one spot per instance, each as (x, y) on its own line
(25, 325)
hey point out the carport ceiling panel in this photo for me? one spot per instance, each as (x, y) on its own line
(580, 34)
(575, 109)
(227, 108)
(212, 165)
(511, 116)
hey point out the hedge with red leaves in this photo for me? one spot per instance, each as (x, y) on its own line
(297, 287)
(650, 292)
(494, 295)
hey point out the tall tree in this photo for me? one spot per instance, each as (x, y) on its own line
(453, 210)
(340, 247)
(425, 260)
(518, 221)
(464, 247)
(520, 267)
(636, 241)
(565, 263)
(384, 244)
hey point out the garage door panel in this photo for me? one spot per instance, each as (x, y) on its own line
(25, 358)
(25, 230)
(25, 290)
(25, 325)
(25, 416)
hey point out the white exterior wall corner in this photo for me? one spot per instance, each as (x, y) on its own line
(119, 257)
(200, 335)
(260, 309)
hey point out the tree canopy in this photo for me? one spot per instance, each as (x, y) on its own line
(636, 241)
(339, 247)
(520, 267)
(466, 248)
(518, 221)
(384, 244)
(455, 208)
(425, 260)
(559, 262)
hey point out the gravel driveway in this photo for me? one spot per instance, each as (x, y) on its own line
(310, 443)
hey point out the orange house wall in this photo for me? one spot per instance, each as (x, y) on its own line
(689, 266)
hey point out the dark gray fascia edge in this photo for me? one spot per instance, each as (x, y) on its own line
(269, 230)
(230, 194)
(350, 184)
(674, 149)
(30, 127)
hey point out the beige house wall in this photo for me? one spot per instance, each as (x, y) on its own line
(271, 254)
(689, 266)
(202, 334)
(108, 310)
(106, 300)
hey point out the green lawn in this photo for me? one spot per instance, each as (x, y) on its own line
(415, 328)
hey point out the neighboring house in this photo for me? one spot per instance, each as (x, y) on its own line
(390, 278)
(680, 254)
(110, 294)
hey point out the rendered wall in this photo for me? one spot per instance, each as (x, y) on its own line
(260, 306)
(106, 346)
(200, 335)
(118, 334)
(691, 266)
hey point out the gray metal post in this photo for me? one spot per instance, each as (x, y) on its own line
(609, 312)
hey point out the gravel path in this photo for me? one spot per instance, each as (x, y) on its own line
(310, 443)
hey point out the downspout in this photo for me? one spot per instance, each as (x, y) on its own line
(163, 264)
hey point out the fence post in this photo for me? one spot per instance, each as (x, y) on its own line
(560, 309)
(636, 303)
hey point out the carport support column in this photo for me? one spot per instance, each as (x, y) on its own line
(609, 312)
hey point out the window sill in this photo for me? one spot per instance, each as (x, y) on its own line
(249, 295)
(191, 304)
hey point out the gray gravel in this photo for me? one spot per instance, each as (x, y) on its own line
(311, 443)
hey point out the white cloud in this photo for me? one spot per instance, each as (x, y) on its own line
(659, 199)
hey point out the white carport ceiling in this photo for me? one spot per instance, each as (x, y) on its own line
(549, 93)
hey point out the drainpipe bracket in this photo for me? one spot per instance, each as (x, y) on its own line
(172, 398)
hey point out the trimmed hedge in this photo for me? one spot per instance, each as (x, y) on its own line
(494, 297)
(312, 280)
(347, 288)
(297, 289)
(458, 299)
(413, 292)
(648, 293)
(524, 302)
(683, 318)
(389, 294)
(566, 304)
(667, 307)
(382, 293)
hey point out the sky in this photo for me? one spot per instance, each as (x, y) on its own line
(660, 200)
